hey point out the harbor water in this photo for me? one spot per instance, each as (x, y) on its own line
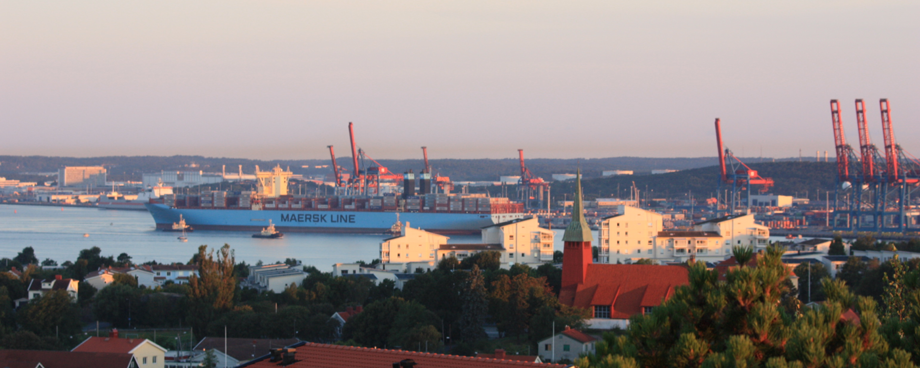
(58, 233)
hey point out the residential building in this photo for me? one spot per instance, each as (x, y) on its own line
(38, 288)
(69, 359)
(567, 344)
(312, 355)
(833, 264)
(885, 255)
(412, 246)
(145, 352)
(501, 354)
(680, 246)
(104, 276)
(81, 176)
(523, 239)
(341, 318)
(628, 236)
(612, 292)
(14, 273)
(152, 276)
(279, 278)
(234, 351)
(518, 241)
(737, 230)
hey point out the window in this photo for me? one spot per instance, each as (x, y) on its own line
(510, 255)
(638, 251)
(511, 237)
(145, 360)
(344, 272)
(649, 251)
(566, 347)
(601, 311)
(168, 273)
(647, 310)
(158, 273)
(522, 254)
(547, 347)
(154, 359)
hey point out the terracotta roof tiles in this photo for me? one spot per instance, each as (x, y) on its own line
(312, 355)
(56, 359)
(578, 335)
(626, 288)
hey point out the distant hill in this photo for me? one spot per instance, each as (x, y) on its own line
(790, 178)
(131, 167)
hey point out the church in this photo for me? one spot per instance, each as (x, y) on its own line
(612, 292)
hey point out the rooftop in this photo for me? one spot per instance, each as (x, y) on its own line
(54, 359)
(719, 219)
(509, 222)
(577, 335)
(311, 355)
(626, 288)
(688, 234)
(243, 349)
(471, 247)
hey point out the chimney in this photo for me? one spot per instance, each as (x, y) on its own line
(499, 353)
(405, 363)
(114, 333)
(276, 355)
(287, 356)
(58, 277)
(349, 310)
(359, 309)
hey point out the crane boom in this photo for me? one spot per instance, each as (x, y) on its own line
(335, 168)
(523, 168)
(891, 150)
(354, 153)
(425, 153)
(840, 143)
(865, 143)
(721, 151)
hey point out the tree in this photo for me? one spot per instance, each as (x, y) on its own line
(448, 264)
(489, 260)
(893, 296)
(27, 256)
(475, 307)
(837, 248)
(852, 271)
(117, 304)
(124, 279)
(210, 360)
(389, 322)
(817, 272)
(49, 262)
(55, 312)
(124, 259)
(211, 292)
(514, 301)
(85, 292)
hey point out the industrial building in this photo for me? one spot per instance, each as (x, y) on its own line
(616, 172)
(770, 200)
(563, 177)
(179, 179)
(81, 176)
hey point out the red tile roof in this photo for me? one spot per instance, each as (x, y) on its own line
(313, 355)
(501, 354)
(56, 359)
(111, 344)
(626, 288)
(578, 335)
(243, 349)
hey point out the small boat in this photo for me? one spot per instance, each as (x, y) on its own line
(182, 237)
(269, 232)
(180, 226)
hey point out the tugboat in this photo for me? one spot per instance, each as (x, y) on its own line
(396, 229)
(181, 226)
(269, 232)
(182, 237)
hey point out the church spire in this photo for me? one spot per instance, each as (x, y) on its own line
(578, 230)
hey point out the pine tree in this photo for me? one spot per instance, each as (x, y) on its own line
(894, 291)
(836, 248)
(475, 307)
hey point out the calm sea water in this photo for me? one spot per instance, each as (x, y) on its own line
(57, 233)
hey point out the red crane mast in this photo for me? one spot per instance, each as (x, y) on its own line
(840, 143)
(425, 153)
(865, 143)
(335, 168)
(355, 178)
(891, 149)
(721, 152)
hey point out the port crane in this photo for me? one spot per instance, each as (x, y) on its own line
(335, 168)
(531, 187)
(366, 181)
(736, 173)
(876, 188)
(442, 182)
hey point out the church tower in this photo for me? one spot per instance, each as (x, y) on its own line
(577, 254)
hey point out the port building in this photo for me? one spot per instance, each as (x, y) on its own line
(179, 179)
(81, 176)
(616, 172)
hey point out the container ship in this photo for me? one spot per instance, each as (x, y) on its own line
(448, 214)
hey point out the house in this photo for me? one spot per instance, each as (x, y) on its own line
(812, 245)
(342, 317)
(38, 288)
(613, 293)
(145, 352)
(523, 239)
(312, 355)
(104, 276)
(500, 354)
(151, 276)
(17, 274)
(567, 344)
(737, 230)
(411, 246)
(279, 279)
(54, 359)
(835, 263)
(235, 351)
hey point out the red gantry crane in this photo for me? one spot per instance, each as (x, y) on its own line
(531, 187)
(335, 168)
(740, 174)
(443, 182)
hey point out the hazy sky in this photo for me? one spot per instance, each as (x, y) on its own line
(469, 79)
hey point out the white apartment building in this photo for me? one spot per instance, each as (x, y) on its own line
(628, 236)
(275, 277)
(679, 246)
(737, 230)
(519, 241)
(81, 176)
(524, 241)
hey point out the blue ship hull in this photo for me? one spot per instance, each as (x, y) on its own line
(374, 222)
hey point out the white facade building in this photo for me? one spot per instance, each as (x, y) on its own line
(524, 241)
(152, 276)
(770, 200)
(179, 179)
(413, 246)
(616, 172)
(568, 344)
(628, 236)
(81, 176)
(276, 277)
